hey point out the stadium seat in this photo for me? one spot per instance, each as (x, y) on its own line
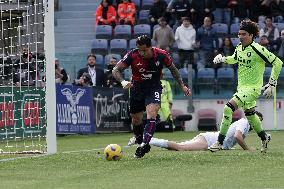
(156, 26)
(142, 29)
(234, 29)
(260, 25)
(154, 43)
(167, 74)
(225, 80)
(266, 75)
(103, 32)
(143, 17)
(175, 58)
(127, 74)
(147, 4)
(109, 56)
(174, 47)
(118, 46)
(280, 26)
(122, 32)
(132, 44)
(235, 41)
(137, 4)
(206, 81)
(100, 61)
(100, 46)
(207, 120)
(221, 29)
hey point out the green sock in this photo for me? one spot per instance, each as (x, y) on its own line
(226, 120)
(255, 122)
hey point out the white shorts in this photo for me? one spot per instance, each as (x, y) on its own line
(210, 137)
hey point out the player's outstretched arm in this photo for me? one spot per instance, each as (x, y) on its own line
(240, 140)
(176, 75)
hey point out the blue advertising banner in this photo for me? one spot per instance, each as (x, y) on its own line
(111, 112)
(74, 110)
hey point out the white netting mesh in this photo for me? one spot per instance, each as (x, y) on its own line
(22, 73)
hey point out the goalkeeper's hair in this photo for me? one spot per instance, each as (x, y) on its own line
(250, 27)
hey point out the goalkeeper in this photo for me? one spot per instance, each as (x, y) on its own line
(251, 58)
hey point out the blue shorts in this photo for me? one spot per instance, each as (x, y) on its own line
(141, 96)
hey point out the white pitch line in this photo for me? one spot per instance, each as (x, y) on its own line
(16, 158)
(66, 152)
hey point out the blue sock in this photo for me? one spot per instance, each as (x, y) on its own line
(149, 130)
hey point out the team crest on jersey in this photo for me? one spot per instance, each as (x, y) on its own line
(141, 70)
(157, 63)
(249, 54)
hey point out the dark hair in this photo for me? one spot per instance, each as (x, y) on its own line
(259, 115)
(144, 40)
(185, 19)
(91, 55)
(250, 27)
(88, 78)
(113, 58)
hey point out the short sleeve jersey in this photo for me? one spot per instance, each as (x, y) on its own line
(241, 125)
(147, 69)
(251, 64)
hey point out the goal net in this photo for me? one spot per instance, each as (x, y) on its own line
(26, 80)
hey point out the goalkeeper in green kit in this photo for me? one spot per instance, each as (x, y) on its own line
(251, 58)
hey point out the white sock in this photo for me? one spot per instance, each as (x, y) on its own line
(162, 143)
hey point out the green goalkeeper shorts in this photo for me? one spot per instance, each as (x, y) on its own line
(247, 97)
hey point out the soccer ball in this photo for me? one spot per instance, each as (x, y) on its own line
(113, 152)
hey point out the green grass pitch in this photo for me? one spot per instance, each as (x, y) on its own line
(78, 165)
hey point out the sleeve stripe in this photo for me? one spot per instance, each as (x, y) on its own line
(259, 54)
(274, 59)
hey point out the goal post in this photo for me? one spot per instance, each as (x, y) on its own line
(27, 77)
(50, 81)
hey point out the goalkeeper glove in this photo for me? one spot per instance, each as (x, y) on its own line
(126, 84)
(218, 59)
(269, 88)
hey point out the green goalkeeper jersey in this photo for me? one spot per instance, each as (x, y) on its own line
(251, 65)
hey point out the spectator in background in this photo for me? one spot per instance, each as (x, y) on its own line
(270, 31)
(185, 38)
(60, 73)
(110, 80)
(97, 74)
(222, 13)
(84, 81)
(25, 69)
(181, 8)
(156, 11)
(201, 9)
(126, 12)
(106, 14)
(264, 42)
(207, 42)
(164, 35)
(277, 10)
(227, 49)
(280, 45)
